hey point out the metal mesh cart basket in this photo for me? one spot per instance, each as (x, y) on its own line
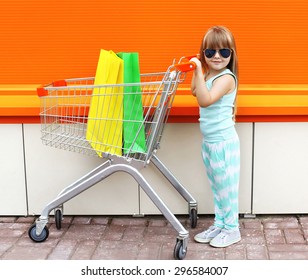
(71, 111)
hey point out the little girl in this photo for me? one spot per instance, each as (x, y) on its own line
(214, 83)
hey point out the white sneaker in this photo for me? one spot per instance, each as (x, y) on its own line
(207, 235)
(226, 238)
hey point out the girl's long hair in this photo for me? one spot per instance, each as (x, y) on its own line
(218, 37)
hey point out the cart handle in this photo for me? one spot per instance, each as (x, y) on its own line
(186, 66)
(41, 91)
(182, 66)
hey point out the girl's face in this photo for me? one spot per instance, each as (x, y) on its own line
(218, 61)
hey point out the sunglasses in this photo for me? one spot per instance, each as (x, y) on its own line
(209, 53)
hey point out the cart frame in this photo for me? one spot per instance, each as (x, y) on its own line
(155, 112)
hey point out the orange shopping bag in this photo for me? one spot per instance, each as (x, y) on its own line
(105, 119)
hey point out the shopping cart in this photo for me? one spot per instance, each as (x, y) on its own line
(65, 121)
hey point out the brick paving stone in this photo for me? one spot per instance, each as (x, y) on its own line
(6, 225)
(274, 236)
(304, 222)
(158, 223)
(7, 219)
(129, 221)
(203, 251)
(149, 251)
(256, 252)
(157, 234)
(84, 250)
(116, 250)
(305, 231)
(252, 236)
(63, 250)
(55, 233)
(152, 237)
(5, 244)
(80, 220)
(280, 222)
(28, 219)
(236, 252)
(4, 232)
(84, 232)
(288, 255)
(195, 246)
(100, 221)
(252, 224)
(167, 250)
(217, 254)
(20, 226)
(294, 236)
(133, 233)
(285, 249)
(113, 232)
(27, 253)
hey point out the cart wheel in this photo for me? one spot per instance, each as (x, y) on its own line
(38, 238)
(58, 218)
(193, 218)
(178, 253)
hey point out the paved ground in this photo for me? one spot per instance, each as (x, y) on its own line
(151, 237)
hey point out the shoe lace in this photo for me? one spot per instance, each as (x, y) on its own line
(223, 234)
(210, 229)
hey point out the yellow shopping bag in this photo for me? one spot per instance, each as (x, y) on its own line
(105, 119)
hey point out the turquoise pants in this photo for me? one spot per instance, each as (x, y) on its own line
(222, 162)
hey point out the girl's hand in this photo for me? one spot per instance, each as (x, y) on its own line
(197, 62)
(196, 74)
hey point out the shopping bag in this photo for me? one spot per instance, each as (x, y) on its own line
(133, 128)
(105, 118)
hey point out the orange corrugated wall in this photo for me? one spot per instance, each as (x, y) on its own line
(42, 40)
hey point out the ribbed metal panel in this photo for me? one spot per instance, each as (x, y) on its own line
(45, 40)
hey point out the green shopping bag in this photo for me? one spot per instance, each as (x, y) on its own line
(134, 140)
(105, 118)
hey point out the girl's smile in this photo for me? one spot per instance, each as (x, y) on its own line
(217, 64)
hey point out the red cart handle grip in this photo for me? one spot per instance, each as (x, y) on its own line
(59, 83)
(41, 91)
(187, 66)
